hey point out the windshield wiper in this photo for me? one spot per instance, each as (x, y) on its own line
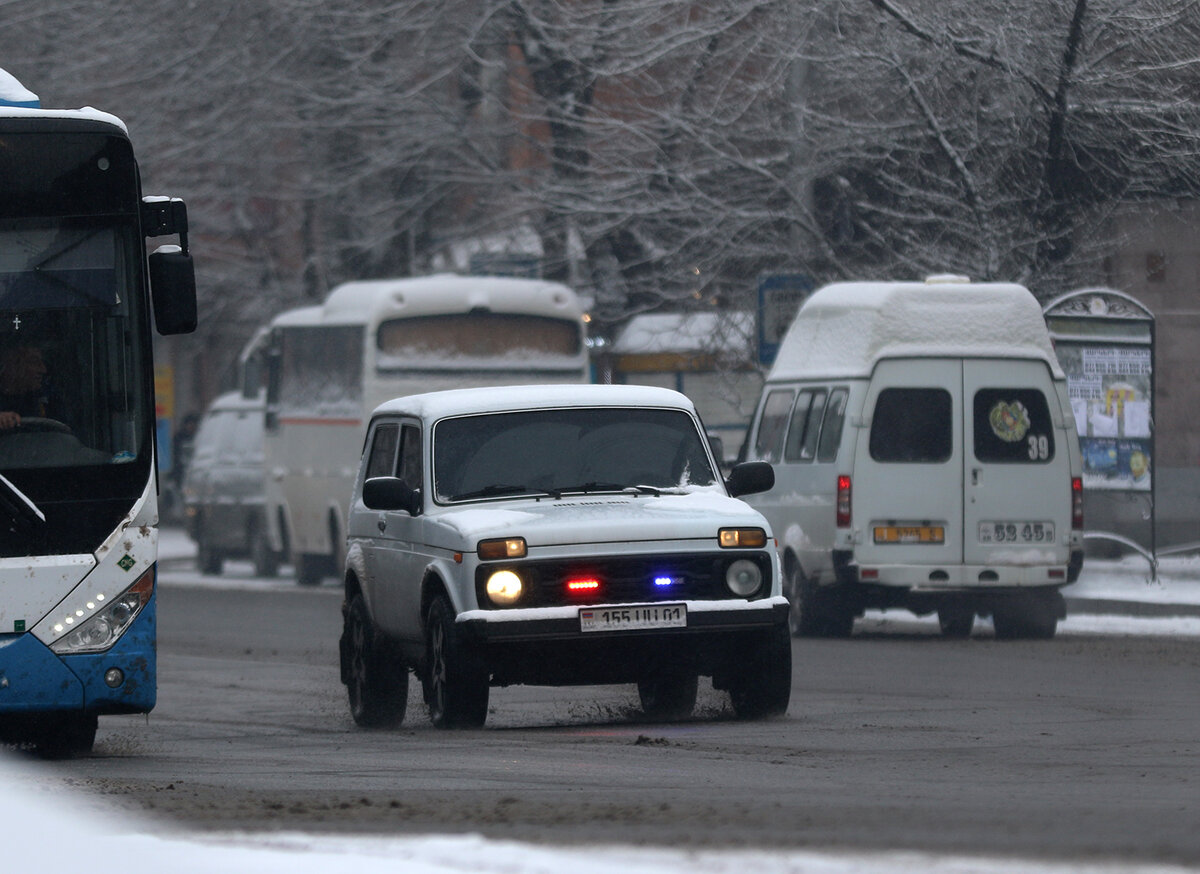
(25, 514)
(587, 487)
(491, 491)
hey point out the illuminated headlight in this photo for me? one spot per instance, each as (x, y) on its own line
(743, 577)
(101, 630)
(504, 588)
(743, 538)
(506, 547)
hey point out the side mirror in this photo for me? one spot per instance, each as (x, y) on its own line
(750, 478)
(173, 289)
(391, 493)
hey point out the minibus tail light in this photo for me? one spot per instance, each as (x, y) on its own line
(843, 501)
(1076, 503)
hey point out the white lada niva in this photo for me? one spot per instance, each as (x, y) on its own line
(556, 535)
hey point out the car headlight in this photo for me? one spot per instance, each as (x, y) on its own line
(743, 577)
(504, 588)
(104, 627)
(742, 538)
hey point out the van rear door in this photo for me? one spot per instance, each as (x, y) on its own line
(1018, 465)
(907, 481)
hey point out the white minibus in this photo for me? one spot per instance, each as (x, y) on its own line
(925, 458)
(329, 366)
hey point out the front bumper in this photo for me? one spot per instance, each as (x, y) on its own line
(547, 646)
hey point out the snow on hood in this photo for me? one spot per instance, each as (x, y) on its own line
(602, 518)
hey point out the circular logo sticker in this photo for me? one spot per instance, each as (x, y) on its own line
(1009, 421)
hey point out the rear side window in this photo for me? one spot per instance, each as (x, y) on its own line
(1013, 425)
(912, 425)
(768, 443)
(831, 431)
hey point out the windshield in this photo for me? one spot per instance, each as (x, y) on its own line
(572, 449)
(71, 383)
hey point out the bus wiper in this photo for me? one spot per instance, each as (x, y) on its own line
(491, 491)
(25, 514)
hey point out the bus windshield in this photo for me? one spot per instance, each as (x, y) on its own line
(70, 380)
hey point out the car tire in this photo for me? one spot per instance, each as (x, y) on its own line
(67, 737)
(956, 622)
(376, 681)
(456, 679)
(762, 686)
(668, 695)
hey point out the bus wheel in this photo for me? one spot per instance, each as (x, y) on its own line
(66, 737)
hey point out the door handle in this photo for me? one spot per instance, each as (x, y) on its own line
(381, 524)
(974, 476)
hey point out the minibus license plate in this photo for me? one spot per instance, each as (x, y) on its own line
(910, 534)
(1016, 532)
(641, 616)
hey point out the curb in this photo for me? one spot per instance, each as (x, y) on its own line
(1145, 609)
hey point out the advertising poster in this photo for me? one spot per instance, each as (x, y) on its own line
(1110, 397)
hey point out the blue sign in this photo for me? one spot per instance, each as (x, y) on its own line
(779, 298)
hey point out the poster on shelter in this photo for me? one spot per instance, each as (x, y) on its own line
(1110, 389)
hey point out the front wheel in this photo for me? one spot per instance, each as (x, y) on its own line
(456, 680)
(669, 695)
(762, 686)
(266, 560)
(376, 681)
(67, 737)
(209, 558)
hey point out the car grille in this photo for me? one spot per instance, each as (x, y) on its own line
(625, 579)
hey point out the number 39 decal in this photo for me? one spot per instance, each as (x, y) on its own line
(1039, 447)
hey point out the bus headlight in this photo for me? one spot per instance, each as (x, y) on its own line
(504, 588)
(743, 577)
(104, 627)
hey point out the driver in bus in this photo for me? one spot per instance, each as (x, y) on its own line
(22, 385)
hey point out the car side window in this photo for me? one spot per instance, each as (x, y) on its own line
(912, 425)
(772, 425)
(831, 430)
(793, 450)
(382, 460)
(409, 468)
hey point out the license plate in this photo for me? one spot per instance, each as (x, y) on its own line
(641, 616)
(910, 534)
(1016, 532)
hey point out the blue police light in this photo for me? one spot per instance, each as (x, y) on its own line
(663, 581)
(13, 93)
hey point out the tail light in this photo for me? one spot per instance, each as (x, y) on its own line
(1076, 503)
(843, 501)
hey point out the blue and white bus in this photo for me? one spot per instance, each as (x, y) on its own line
(78, 482)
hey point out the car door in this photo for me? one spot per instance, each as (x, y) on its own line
(400, 557)
(907, 480)
(1018, 466)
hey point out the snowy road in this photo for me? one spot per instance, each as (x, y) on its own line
(974, 755)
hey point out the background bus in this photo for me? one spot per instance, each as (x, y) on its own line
(78, 503)
(328, 366)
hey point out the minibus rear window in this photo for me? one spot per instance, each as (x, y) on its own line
(912, 425)
(1013, 425)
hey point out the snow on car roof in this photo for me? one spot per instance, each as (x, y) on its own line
(843, 329)
(455, 402)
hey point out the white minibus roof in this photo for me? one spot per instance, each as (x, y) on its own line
(844, 329)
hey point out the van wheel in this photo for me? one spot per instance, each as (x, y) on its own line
(956, 622)
(209, 558)
(310, 569)
(456, 680)
(813, 612)
(1032, 618)
(376, 682)
(669, 695)
(762, 685)
(266, 560)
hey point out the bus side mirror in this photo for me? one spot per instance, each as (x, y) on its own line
(173, 290)
(750, 478)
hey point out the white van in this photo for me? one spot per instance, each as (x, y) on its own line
(925, 458)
